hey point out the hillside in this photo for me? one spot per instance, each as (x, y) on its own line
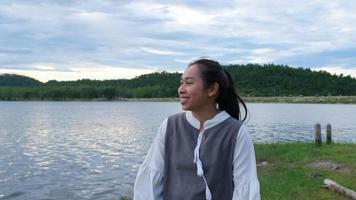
(281, 80)
(13, 80)
(250, 80)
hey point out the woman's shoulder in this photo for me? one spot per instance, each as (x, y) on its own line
(234, 121)
(175, 116)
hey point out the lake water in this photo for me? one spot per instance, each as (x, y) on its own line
(92, 150)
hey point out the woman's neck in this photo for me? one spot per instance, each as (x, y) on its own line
(204, 115)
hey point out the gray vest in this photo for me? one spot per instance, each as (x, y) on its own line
(180, 178)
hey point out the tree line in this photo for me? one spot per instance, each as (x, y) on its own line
(249, 79)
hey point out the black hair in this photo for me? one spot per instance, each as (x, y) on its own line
(228, 100)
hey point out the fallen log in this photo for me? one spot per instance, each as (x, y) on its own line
(332, 185)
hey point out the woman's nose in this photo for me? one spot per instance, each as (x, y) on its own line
(181, 89)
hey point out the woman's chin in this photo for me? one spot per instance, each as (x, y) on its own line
(184, 107)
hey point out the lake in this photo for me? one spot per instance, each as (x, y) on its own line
(92, 150)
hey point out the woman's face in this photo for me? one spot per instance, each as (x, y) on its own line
(192, 94)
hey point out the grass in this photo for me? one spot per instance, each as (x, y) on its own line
(290, 176)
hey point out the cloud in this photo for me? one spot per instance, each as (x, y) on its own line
(44, 67)
(46, 73)
(166, 35)
(10, 50)
(338, 70)
(158, 52)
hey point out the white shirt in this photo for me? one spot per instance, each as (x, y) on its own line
(149, 180)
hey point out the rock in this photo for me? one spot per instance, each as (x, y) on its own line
(262, 164)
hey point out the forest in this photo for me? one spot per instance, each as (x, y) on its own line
(250, 80)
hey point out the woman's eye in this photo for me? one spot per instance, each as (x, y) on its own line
(185, 82)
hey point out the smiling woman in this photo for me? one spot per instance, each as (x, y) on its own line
(205, 152)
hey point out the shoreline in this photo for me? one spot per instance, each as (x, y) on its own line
(276, 99)
(304, 99)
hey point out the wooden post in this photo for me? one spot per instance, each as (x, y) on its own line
(317, 129)
(328, 133)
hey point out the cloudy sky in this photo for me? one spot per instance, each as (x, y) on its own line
(109, 39)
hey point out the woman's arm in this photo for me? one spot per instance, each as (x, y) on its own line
(149, 180)
(246, 184)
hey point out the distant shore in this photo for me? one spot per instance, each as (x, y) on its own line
(289, 99)
(280, 99)
(304, 99)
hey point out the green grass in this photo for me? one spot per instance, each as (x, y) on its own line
(288, 175)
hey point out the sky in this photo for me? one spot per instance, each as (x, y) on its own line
(111, 39)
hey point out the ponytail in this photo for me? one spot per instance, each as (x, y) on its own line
(227, 100)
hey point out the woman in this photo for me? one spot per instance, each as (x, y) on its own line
(205, 152)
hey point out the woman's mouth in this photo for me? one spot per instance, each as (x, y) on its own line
(183, 100)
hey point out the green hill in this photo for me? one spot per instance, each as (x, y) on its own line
(281, 80)
(13, 80)
(250, 80)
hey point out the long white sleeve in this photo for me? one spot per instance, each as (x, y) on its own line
(246, 184)
(149, 180)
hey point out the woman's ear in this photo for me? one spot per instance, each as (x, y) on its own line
(213, 89)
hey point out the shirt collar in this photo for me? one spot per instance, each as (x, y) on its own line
(218, 118)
